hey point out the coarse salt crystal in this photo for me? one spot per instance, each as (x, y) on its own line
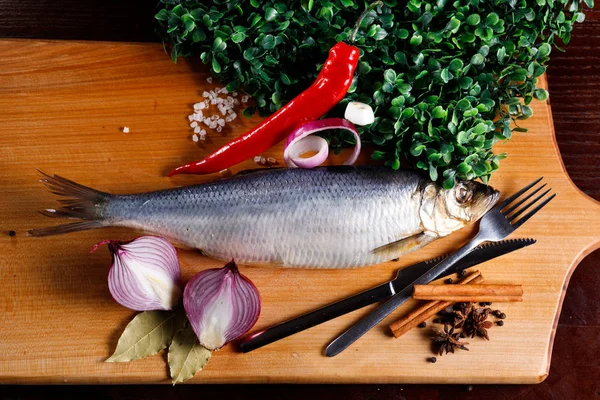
(236, 102)
(228, 119)
(191, 117)
(213, 101)
(219, 129)
(221, 122)
(214, 117)
(205, 94)
(235, 94)
(125, 129)
(271, 160)
(195, 137)
(257, 159)
(244, 99)
(224, 91)
(209, 79)
(194, 124)
(197, 129)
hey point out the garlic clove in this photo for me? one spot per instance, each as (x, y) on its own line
(359, 113)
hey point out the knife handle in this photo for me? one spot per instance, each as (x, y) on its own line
(316, 317)
(355, 332)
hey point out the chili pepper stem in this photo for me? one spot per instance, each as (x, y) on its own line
(362, 17)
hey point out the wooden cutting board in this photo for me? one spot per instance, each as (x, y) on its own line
(63, 105)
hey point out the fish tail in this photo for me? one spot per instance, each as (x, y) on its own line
(81, 202)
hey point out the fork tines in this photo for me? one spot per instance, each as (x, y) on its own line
(511, 213)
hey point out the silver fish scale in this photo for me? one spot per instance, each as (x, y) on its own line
(320, 218)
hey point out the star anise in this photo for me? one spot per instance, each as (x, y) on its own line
(447, 341)
(461, 313)
(477, 324)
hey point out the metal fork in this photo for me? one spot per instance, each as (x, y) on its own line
(496, 224)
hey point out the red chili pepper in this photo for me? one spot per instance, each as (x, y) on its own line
(331, 86)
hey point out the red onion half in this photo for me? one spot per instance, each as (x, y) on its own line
(221, 305)
(300, 142)
(145, 273)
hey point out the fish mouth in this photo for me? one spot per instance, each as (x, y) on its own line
(493, 196)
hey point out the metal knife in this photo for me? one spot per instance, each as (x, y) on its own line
(404, 277)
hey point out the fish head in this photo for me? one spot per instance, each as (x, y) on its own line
(468, 201)
(444, 211)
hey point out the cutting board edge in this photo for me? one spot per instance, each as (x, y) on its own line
(591, 247)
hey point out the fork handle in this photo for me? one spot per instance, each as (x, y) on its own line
(367, 323)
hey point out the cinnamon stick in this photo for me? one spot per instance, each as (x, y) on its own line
(470, 293)
(429, 309)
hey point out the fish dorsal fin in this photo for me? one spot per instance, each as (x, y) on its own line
(404, 245)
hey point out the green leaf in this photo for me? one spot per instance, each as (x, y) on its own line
(445, 75)
(219, 45)
(433, 173)
(473, 19)
(268, 42)
(389, 75)
(492, 19)
(543, 50)
(416, 39)
(438, 112)
(326, 14)
(477, 59)
(162, 15)
(540, 94)
(186, 356)
(148, 333)
(307, 5)
(238, 37)
(417, 148)
(216, 66)
(270, 14)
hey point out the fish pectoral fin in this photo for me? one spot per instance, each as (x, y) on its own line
(405, 245)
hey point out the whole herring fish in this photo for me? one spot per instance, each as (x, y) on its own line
(326, 217)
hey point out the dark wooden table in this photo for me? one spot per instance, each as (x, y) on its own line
(574, 79)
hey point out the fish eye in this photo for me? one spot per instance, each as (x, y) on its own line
(463, 193)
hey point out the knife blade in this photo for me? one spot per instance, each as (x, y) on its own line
(404, 277)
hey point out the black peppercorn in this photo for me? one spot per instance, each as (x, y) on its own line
(432, 360)
(12, 233)
(462, 274)
(448, 281)
(422, 324)
(437, 321)
(502, 316)
(489, 303)
(463, 335)
(482, 304)
(395, 259)
(500, 323)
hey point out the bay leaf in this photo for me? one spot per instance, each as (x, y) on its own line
(186, 355)
(148, 333)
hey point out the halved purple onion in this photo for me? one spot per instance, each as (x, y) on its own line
(145, 274)
(300, 142)
(221, 305)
